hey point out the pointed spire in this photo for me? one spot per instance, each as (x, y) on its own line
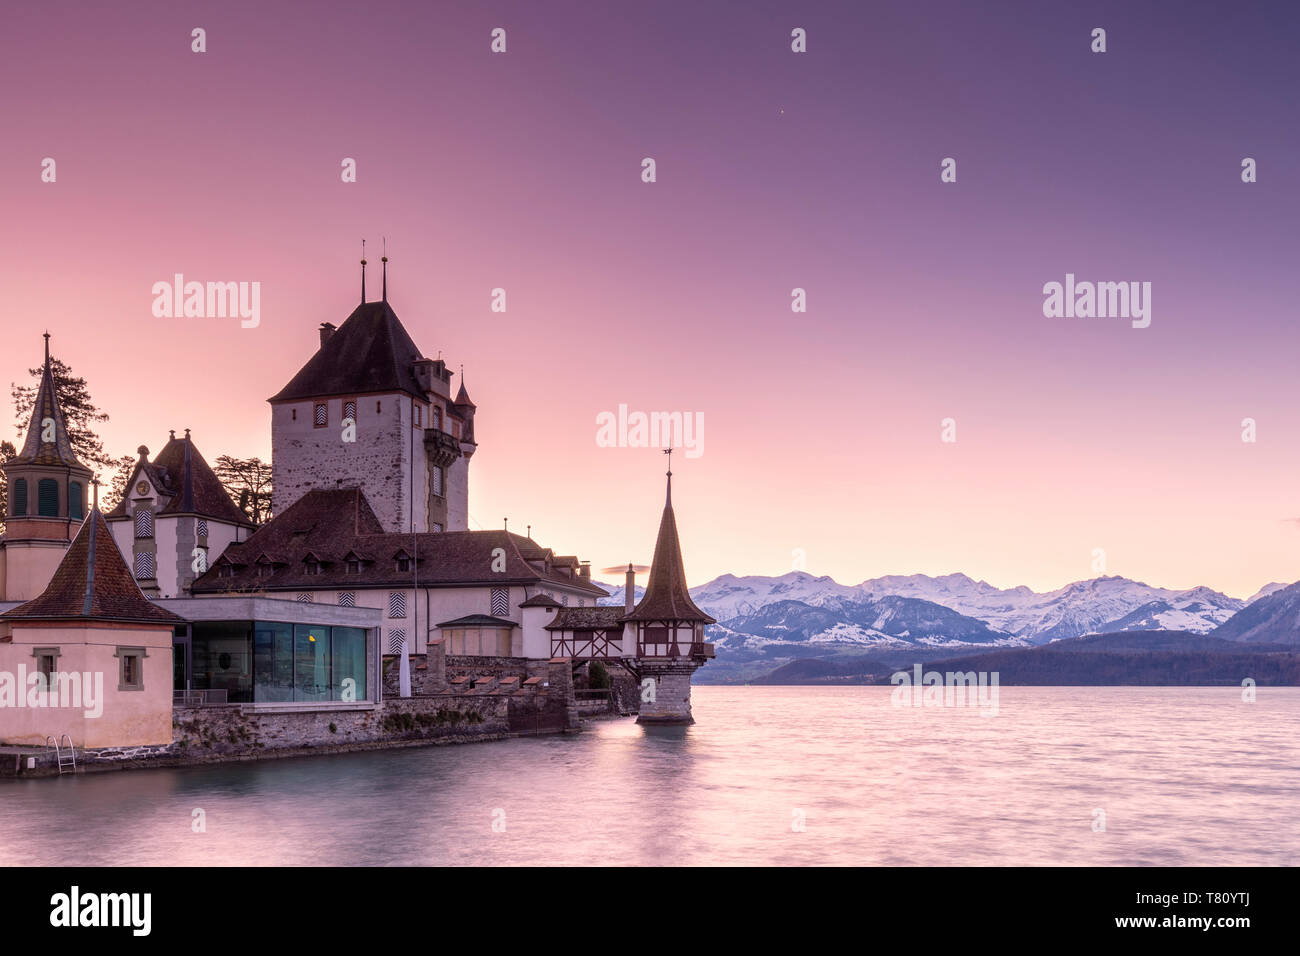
(47, 441)
(384, 260)
(363, 272)
(668, 501)
(666, 596)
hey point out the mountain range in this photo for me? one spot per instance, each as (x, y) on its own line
(764, 622)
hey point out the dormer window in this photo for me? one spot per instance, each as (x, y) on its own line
(403, 564)
(313, 566)
(354, 566)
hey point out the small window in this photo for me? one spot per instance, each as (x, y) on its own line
(397, 604)
(435, 418)
(564, 599)
(416, 420)
(396, 638)
(144, 522)
(347, 599)
(203, 527)
(47, 498)
(500, 602)
(47, 665)
(322, 415)
(131, 667)
(313, 566)
(350, 410)
(144, 567)
(20, 496)
(403, 564)
(437, 480)
(293, 414)
(437, 527)
(379, 407)
(75, 508)
(354, 566)
(304, 598)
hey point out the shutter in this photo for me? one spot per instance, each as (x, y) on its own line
(20, 496)
(144, 565)
(143, 523)
(350, 410)
(322, 415)
(397, 604)
(347, 599)
(47, 498)
(396, 636)
(304, 598)
(75, 510)
(203, 527)
(500, 602)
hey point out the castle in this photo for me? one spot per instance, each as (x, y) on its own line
(367, 561)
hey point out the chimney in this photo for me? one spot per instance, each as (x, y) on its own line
(584, 570)
(326, 330)
(629, 591)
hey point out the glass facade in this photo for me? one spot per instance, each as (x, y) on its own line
(272, 662)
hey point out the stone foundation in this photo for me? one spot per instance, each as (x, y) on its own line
(672, 696)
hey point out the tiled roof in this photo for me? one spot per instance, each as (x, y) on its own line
(46, 406)
(601, 618)
(666, 597)
(92, 583)
(370, 352)
(540, 600)
(329, 523)
(188, 483)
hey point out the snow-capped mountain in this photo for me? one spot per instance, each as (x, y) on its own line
(1103, 604)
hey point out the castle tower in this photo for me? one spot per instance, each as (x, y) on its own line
(669, 629)
(368, 411)
(47, 497)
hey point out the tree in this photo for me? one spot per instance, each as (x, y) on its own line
(125, 465)
(79, 412)
(248, 481)
(7, 451)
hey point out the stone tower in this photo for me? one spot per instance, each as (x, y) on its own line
(47, 497)
(368, 411)
(669, 629)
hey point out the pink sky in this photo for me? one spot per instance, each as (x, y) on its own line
(774, 171)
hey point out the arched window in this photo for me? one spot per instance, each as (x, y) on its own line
(75, 508)
(20, 496)
(47, 498)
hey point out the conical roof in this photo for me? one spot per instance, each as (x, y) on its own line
(666, 596)
(92, 583)
(46, 410)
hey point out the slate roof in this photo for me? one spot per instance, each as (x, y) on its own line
(370, 352)
(666, 597)
(92, 583)
(56, 452)
(540, 600)
(187, 484)
(330, 523)
(600, 618)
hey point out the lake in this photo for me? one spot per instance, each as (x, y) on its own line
(768, 775)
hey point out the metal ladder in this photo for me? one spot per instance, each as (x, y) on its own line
(65, 761)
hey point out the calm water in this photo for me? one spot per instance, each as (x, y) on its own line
(1185, 776)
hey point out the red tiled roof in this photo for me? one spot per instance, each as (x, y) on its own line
(329, 523)
(600, 618)
(92, 583)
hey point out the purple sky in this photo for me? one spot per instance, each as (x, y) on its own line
(775, 170)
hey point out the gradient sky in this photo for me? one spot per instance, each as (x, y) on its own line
(775, 170)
